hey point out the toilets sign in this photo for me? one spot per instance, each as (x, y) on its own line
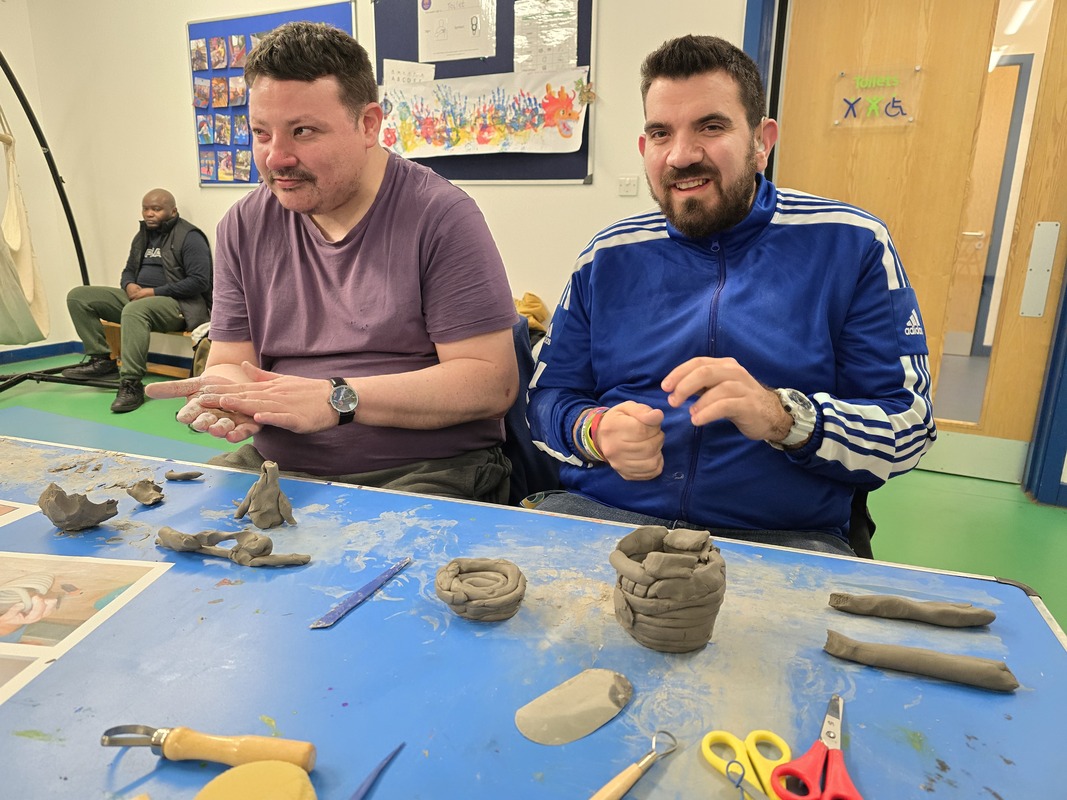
(876, 98)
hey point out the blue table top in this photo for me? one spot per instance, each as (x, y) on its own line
(226, 649)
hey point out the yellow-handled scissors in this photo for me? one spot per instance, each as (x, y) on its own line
(747, 764)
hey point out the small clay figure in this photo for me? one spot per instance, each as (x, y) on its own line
(985, 673)
(252, 549)
(146, 492)
(74, 512)
(171, 475)
(670, 587)
(486, 589)
(887, 606)
(266, 504)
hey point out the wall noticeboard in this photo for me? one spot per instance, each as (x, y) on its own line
(217, 52)
(396, 34)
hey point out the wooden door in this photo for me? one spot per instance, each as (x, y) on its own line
(973, 246)
(915, 175)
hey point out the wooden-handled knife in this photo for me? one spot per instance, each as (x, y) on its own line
(185, 744)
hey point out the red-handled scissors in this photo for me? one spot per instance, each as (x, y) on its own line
(822, 768)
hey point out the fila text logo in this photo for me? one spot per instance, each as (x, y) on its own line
(914, 327)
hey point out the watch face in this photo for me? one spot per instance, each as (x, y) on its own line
(799, 398)
(343, 399)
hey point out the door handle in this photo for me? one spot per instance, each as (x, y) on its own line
(979, 234)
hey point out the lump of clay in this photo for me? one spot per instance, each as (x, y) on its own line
(252, 549)
(146, 492)
(171, 475)
(266, 504)
(74, 512)
(486, 589)
(670, 587)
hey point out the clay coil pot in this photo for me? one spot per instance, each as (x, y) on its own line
(486, 589)
(670, 587)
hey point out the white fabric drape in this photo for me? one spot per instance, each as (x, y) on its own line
(23, 307)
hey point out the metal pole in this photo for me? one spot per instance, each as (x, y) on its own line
(56, 178)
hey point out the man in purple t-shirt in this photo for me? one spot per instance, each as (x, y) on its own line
(361, 327)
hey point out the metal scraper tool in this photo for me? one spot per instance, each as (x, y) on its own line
(185, 744)
(575, 708)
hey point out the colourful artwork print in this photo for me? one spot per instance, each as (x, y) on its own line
(542, 113)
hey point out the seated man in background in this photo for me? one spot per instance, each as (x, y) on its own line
(166, 286)
(362, 318)
(746, 359)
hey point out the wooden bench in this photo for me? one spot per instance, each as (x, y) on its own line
(113, 332)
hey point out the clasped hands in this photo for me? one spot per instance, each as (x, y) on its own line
(630, 435)
(235, 410)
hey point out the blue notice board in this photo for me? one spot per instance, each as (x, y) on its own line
(217, 52)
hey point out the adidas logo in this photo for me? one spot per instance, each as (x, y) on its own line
(914, 326)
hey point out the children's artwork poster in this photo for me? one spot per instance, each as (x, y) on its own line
(48, 604)
(513, 113)
(218, 53)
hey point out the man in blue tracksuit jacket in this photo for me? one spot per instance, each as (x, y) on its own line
(742, 360)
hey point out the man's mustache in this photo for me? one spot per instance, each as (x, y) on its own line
(291, 175)
(671, 175)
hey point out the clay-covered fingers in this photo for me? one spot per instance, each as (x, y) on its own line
(630, 437)
(168, 390)
(724, 390)
(297, 404)
(696, 376)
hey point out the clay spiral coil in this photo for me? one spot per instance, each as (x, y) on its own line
(670, 587)
(486, 589)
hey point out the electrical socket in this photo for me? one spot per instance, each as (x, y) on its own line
(627, 186)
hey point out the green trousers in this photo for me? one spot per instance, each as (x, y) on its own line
(90, 304)
(482, 475)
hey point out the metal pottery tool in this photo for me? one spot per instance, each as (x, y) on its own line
(358, 596)
(621, 783)
(185, 744)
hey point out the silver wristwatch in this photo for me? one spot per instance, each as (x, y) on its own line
(344, 400)
(800, 408)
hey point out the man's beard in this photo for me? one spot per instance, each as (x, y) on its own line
(693, 217)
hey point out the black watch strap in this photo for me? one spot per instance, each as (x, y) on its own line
(343, 399)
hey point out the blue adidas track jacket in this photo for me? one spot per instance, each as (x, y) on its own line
(805, 293)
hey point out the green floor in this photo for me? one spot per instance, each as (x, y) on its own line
(926, 519)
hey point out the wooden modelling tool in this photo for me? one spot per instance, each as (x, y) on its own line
(185, 744)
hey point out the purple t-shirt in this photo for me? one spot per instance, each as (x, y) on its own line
(420, 267)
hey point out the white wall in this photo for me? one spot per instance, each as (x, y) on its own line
(109, 82)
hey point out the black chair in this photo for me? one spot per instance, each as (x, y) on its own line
(532, 470)
(861, 525)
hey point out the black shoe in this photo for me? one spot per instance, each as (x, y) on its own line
(130, 396)
(93, 368)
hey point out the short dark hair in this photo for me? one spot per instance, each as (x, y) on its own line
(691, 55)
(307, 51)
